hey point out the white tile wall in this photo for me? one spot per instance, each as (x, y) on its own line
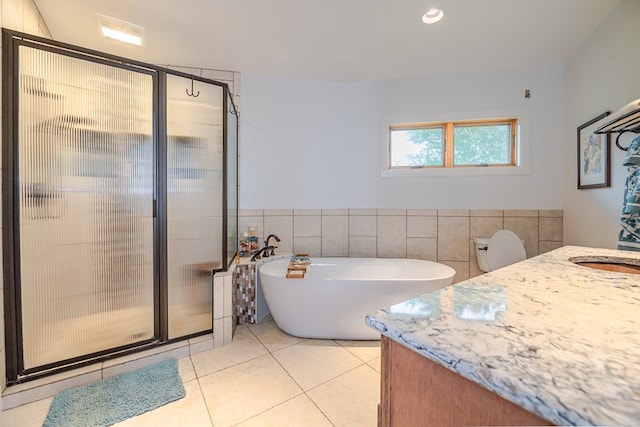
(218, 298)
(227, 334)
(228, 295)
(13, 14)
(223, 308)
(231, 78)
(218, 339)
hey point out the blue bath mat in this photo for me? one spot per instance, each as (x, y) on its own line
(115, 399)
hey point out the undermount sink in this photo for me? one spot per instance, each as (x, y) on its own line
(619, 265)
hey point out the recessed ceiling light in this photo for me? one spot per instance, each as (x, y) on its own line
(120, 30)
(432, 16)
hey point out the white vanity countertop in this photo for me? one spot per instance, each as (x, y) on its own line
(558, 339)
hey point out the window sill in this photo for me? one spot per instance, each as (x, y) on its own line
(458, 171)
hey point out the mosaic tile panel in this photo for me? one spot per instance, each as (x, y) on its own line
(244, 279)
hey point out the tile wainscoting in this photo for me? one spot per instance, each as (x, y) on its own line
(442, 235)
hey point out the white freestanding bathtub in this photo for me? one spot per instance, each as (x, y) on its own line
(336, 294)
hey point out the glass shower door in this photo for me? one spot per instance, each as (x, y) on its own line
(85, 199)
(194, 202)
(231, 169)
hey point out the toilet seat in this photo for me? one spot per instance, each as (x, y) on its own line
(504, 248)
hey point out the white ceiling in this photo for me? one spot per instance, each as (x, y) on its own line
(342, 40)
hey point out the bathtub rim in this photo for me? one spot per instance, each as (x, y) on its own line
(314, 260)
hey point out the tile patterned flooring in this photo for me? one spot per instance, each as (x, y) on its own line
(263, 378)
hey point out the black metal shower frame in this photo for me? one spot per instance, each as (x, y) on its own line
(11, 41)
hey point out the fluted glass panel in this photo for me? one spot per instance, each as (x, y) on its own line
(85, 183)
(194, 201)
(232, 179)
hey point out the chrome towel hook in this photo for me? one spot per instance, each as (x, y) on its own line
(192, 94)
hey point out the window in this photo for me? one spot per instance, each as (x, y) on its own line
(490, 143)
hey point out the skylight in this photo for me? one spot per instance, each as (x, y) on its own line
(120, 30)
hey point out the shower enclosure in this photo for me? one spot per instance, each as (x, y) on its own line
(119, 203)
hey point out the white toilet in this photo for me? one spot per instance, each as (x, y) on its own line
(503, 249)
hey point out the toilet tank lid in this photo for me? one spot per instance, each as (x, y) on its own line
(486, 240)
(505, 248)
(481, 240)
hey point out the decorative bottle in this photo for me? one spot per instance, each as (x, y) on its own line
(245, 249)
(253, 240)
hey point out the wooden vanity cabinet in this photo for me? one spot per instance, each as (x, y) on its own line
(417, 392)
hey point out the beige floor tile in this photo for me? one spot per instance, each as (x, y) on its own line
(236, 394)
(363, 350)
(313, 362)
(243, 347)
(375, 364)
(351, 399)
(191, 411)
(299, 411)
(32, 414)
(186, 369)
(272, 337)
(241, 382)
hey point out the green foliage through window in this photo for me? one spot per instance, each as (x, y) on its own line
(482, 145)
(477, 143)
(418, 147)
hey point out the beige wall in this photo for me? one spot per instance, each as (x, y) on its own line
(19, 15)
(442, 235)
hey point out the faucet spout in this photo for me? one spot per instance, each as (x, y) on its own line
(266, 242)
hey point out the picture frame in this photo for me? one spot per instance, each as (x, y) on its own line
(594, 156)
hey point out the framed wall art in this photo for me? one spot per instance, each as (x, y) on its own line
(593, 156)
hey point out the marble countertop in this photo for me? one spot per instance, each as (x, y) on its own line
(558, 339)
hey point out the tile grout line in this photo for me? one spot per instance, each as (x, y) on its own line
(305, 392)
(338, 344)
(228, 367)
(302, 391)
(201, 391)
(195, 372)
(353, 354)
(332, 379)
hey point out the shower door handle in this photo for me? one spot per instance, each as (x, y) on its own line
(155, 209)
